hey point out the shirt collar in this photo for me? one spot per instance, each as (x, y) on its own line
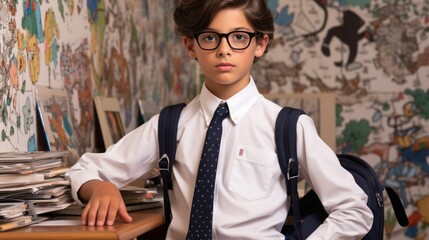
(238, 104)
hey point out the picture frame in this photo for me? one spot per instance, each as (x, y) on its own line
(319, 106)
(109, 118)
(53, 110)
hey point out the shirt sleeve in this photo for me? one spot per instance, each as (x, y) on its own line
(131, 157)
(349, 216)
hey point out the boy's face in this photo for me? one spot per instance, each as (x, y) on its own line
(227, 71)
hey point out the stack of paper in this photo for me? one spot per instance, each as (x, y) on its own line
(30, 162)
(13, 215)
(134, 195)
(13, 179)
(32, 179)
(15, 223)
(10, 210)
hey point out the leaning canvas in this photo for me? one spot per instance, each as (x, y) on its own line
(109, 119)
(54, 112)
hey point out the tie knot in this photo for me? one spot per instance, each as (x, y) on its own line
(222, 111)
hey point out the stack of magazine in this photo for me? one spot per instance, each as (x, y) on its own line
(32, 183)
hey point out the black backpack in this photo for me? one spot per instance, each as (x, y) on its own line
(307, 212)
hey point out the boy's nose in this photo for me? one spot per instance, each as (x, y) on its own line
(223, 48)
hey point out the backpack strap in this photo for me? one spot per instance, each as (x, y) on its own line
(397, 206)
(167, 134)
(285, 137)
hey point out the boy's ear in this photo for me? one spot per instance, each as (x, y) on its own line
(261, 45)
(190, 47)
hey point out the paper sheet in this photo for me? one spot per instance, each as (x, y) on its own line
(59, 223)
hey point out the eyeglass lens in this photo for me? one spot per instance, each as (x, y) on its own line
(236, 40)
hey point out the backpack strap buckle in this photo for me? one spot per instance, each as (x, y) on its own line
(164, 163)
(292, 169)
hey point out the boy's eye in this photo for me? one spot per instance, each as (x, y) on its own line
(239, 37)
(209, 37)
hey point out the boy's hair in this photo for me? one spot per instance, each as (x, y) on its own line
(193, 16)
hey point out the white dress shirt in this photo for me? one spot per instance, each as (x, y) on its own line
(250, 200)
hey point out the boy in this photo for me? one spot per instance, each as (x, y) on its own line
(249, 199)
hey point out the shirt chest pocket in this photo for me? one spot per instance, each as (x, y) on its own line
(252, 172)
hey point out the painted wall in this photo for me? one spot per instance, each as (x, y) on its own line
(125, 49)
(373, 55)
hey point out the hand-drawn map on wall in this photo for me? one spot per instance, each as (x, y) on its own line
(374, 55)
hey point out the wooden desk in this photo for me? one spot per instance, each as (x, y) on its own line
(143, 222)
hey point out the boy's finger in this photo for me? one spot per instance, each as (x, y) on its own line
(92, 213)
(123, 213)
(84, 215)
(102, 212)
(111, 214)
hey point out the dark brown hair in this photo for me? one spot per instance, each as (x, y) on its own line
(193, 16)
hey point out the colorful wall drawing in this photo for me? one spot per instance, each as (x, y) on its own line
(124, 49)
(373, 55)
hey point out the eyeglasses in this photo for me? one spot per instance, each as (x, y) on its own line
(237, 40)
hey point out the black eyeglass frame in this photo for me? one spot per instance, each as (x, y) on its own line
(226, 36)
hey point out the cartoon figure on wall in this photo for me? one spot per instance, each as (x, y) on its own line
(348, 33)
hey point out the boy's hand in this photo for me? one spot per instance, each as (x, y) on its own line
(104, 204)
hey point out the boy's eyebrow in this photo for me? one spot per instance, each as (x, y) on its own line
(231, 30)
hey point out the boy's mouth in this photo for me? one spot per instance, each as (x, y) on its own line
(225, 66)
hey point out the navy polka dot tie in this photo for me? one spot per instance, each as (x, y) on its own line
(200, 224)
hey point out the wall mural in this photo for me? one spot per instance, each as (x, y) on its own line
(125, 49)
(374, 56)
